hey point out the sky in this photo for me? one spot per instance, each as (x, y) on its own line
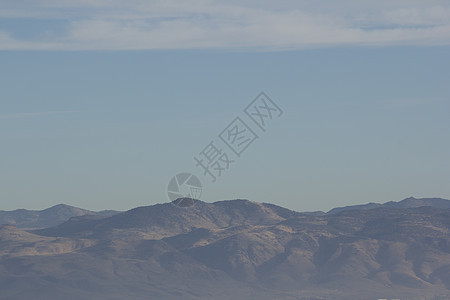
(103, 102)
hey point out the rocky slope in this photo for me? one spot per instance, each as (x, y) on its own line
(232, 250)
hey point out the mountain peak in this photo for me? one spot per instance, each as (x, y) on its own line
(227, 248)
(185, 202)
(49, 217)
(60, 205)
(179, 216)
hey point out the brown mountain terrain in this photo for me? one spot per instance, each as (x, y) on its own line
(52, 216)
(232, 250)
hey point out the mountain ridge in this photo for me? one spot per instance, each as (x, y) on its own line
(48, 217)
(410, 202)
(61, 213)
(233, 249)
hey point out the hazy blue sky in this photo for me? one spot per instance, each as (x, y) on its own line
(101, 104)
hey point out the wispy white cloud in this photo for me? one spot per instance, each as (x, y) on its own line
(260, 25)
(36, 114)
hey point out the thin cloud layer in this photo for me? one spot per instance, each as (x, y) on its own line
(208, 24)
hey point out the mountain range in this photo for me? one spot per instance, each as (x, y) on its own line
(52, 216)
(235, 249)
(410, 202)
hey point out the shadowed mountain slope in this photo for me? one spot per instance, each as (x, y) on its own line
(162, 220)
(52, 216)
(406, 203)
(232, 250)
